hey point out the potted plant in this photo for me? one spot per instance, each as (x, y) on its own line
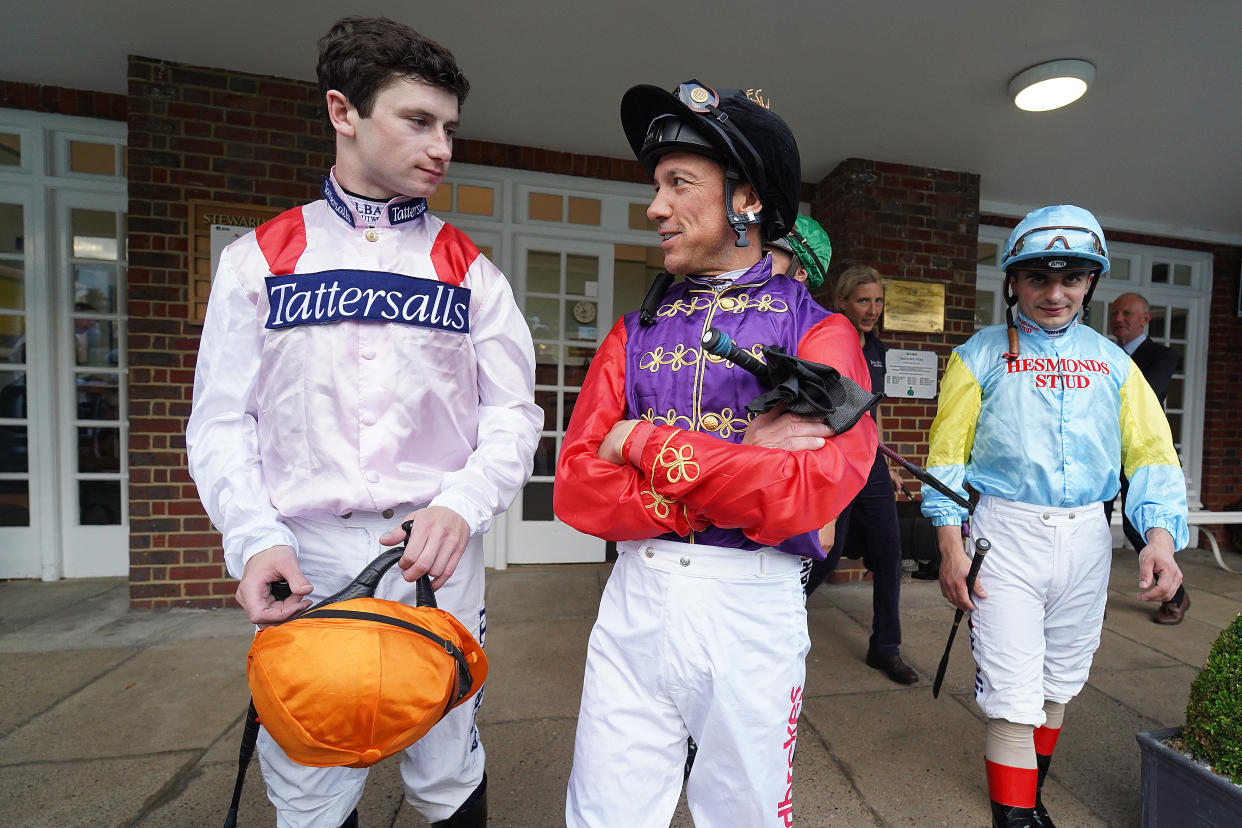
(1192, 775)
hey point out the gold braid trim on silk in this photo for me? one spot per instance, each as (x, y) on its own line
(679, 465)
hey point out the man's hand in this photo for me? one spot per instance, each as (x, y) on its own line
(791, 432)
(254, 593)
(828, 536)
(895, 479)
(953, 568)
(437, 540)
(1159, 574)
(614, 442)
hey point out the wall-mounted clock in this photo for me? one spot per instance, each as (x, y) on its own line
(584, 311)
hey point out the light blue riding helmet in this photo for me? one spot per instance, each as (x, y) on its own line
(1060, 232)
(1054, 238)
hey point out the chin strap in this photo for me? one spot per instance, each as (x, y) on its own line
(1012, 329)
(738, 222)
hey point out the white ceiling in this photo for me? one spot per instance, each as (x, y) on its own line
(1155, 145)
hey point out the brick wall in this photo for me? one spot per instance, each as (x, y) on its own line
(194, 133)
(61, 101)
(914, 224)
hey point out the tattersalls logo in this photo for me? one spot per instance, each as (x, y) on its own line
(336, 295)
(1059, 373)
(784, 808)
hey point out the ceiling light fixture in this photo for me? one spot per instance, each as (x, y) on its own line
(1051, 85)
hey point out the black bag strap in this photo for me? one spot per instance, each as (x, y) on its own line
(464, 679)
(250, 735)
(362, 586)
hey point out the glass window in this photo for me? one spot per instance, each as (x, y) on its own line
(10, 154)
(1177, 323)
(94, 234)
(1097, 319)
(94, 288)
(477, 201)
(14, 502)
(581, 319)
(12, 395)
(1174, 398)
(98, 449)
(1175, 425)
(547, 401)
(581, 271)
(584, 211)
(544, 317)
(1119, 269)
(98, 397)
(1182, 274)
(14, 449)
(547, 358)
(987, 254)
(11, 229)
(638, 218)
(543, 272)
(545, 207)
(442, 200)
(1155, 328)
(545, 457)
(95, 341)
(1160, 273)
(99, 502)
(12, 288)
(577, 361)
(537, 501)
(92, 158)
(985, 300)
(12, 339)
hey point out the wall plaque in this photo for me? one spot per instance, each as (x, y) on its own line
(212, 225)
(914, 306)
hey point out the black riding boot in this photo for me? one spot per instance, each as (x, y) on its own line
(351, 821)
(1042, 820)
(1011, 816)
(472, 813)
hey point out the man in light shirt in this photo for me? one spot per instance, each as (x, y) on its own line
(362, 364)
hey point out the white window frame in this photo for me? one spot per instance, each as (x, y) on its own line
(508, 229)
(41, 182)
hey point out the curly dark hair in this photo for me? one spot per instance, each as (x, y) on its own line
(360, 55)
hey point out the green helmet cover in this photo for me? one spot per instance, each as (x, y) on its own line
(810, 244)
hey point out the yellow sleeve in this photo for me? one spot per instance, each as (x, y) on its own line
(957, 412)
(1145, 436)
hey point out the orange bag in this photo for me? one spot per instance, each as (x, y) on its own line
(355, 678)
(355, 681)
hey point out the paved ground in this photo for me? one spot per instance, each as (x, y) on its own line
(109, 717)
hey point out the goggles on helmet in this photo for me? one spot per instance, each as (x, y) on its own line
(1061, 243)
(671, 130)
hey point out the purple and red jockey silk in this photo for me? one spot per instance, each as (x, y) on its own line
(691, 481)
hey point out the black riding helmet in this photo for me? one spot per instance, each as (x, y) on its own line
(748, 139)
